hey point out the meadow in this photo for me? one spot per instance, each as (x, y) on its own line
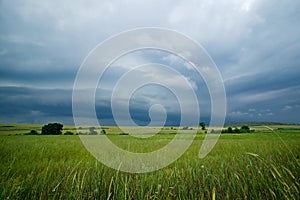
(260, 165)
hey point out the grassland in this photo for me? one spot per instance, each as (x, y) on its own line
(261, 165)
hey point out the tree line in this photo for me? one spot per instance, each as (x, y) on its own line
(243, 129)
(56, 129)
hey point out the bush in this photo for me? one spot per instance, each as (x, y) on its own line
(32, 132)
(202, 124)
(52, 129)
(236, 130)
(68, 133)
(243, 129)
(92, 131)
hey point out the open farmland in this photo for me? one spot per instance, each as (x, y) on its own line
(260, 165)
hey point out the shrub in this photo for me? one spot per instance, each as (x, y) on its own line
(52, 129)
(202, 124)
(243, 129)
(92, 131)
(32, 132)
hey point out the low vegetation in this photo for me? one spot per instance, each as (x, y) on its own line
(52, 129)
(260, 165)
(243, 129)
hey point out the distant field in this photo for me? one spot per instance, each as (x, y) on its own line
(261, 165)
(20, 129)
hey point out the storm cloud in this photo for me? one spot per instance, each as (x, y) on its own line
(255, 45)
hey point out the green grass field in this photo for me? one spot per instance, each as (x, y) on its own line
(261, 165)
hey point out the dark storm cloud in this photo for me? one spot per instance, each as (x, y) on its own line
(257, 83)
(25, 105)
(255, 44)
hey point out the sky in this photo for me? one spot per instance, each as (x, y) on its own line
(254, 43)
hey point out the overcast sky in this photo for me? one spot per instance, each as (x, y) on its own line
(254, 43)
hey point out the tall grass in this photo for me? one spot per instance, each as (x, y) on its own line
(250, 166)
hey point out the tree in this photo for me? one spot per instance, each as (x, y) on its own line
(245, 129)
(202, 124)
(236, 130)
(33, 132)
(68, 133)
(92, 131)
(103, 132)
(52, 129)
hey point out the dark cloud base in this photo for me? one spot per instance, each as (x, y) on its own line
(29, 105)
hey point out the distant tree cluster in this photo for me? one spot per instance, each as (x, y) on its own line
(243, 129)
(68, 133)
(92, 131)
(32, 132)
(187, 128)
(202, 124)
(52, 129)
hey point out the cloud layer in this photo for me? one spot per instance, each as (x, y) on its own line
(255, 45)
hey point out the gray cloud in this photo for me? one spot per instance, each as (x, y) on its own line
(255, 44)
